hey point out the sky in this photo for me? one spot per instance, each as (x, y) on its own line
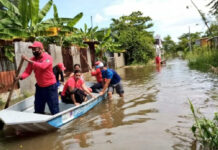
(170, 17)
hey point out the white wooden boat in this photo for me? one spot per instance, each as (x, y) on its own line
(21, 117)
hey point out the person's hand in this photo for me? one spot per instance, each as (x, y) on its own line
(17, 78)
(101, 93)
(25, 58)
(77, 104)
(93, 96)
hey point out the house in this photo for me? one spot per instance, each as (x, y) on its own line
(203, 42)
(213, 42)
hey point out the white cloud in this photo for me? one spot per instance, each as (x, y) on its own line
(98, 18)
(169, 16)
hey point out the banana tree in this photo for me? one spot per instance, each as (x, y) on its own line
(85, 35)
(106, 44)
(64, 26)
(24, 21)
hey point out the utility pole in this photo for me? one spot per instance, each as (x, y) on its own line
(91, 28)
(190, 41)
(91, 22)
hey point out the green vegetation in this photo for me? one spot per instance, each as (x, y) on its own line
(133, 35)
(202, 59)
(169, 45)
(214, 6)
(205, 130)
(24, 20)
(106, 44)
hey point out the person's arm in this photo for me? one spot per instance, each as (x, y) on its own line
(108, 76)
(86, 90)
(105, 86)
(27, 72)
(43, 65)
(94, 72)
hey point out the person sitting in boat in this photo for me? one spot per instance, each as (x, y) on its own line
(111, 80)
(75, 90)
(97, 73)
(76, 67)
(58, 72)
(46, 87)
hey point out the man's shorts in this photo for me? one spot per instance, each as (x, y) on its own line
(118, 87)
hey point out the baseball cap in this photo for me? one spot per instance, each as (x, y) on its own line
(100, 65)
(97, 62)
(36, 44)
(61, 66)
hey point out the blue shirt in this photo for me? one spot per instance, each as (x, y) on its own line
(111, 74)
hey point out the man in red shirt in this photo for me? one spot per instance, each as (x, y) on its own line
(97, 73)
(74, 88)
(46, 88)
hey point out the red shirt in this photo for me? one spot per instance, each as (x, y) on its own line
(42, 68)
(97, 74)
(71, 82)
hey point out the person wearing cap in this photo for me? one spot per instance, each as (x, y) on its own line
(46, 88)
(97, 73)
(58, 72)
(111, 80)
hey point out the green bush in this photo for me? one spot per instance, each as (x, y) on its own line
(202, 58)
(205, 130)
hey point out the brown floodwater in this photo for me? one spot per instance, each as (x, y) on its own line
(154, 114)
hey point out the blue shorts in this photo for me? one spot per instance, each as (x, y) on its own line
(47, 95)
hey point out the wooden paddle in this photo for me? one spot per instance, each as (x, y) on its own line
(13, 85)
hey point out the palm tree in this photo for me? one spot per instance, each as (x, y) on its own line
(214, 6)
(24, 21)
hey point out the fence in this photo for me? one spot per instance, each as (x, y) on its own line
(7, 72)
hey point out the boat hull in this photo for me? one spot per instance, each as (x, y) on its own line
(27, 121)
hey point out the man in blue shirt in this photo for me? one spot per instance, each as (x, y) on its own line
(111, 81)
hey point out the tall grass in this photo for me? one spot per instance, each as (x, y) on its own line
(202, 58)
(205, 130)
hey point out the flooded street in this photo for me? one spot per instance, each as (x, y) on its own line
(154, 114)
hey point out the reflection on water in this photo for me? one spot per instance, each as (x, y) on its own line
(153, 115)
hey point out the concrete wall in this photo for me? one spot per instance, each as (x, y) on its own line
(89, 57)
(4, 96)
(119, 60)
(27, 85)
(56, 54)
(76, 55)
